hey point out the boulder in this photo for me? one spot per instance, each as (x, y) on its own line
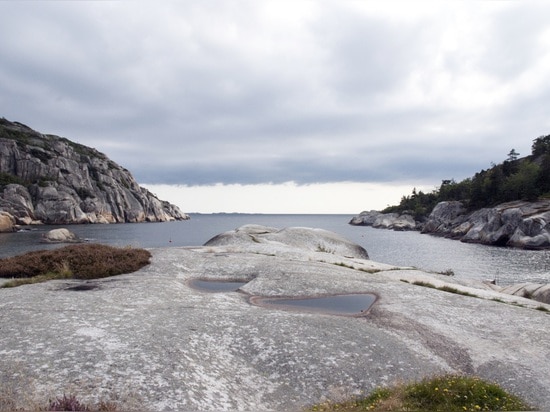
(289, 240)
(60, 235)
(7, 222)
(444, 217)
(365, 218)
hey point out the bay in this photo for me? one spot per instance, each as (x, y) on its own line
(425, 252)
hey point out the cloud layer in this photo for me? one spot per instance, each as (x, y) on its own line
(248, 92)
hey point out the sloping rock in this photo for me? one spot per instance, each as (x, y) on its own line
(313, 240)
(52, 180)
(61, 235)
(535, 291)
(149, 339)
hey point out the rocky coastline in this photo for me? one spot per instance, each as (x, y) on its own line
(518, 224)
(46, 179)
(150, 341)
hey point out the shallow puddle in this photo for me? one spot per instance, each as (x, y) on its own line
(216, 285)
(352, 304)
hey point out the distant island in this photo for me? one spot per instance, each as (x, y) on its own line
(53, 180)
(505, 205)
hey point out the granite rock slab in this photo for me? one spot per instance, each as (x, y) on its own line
(150, 341)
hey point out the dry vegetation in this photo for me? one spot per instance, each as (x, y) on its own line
(87, 261)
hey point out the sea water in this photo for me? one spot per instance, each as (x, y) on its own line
(505, 265)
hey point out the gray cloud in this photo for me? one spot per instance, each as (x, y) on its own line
(249, 92)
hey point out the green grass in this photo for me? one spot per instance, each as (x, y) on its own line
(87, 261)
(449, 393)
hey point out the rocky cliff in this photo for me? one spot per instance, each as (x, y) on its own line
(517, 224)
(52, 180)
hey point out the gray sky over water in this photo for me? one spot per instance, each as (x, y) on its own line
(269, 92)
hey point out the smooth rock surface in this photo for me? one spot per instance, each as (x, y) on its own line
(60, 235)
(154, 342)
(536, 291)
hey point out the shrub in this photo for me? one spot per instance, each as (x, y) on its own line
(67, 403)
(449, 393)
(88, 261)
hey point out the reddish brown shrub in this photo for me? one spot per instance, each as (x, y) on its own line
(87, 261)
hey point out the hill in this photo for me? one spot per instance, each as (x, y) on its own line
(50, 179)
(506, 205)
(526, 178)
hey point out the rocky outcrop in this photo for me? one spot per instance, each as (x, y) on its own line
(394, 221)
(49, 179)
(313, 240)
(516, 224)
(149, 341)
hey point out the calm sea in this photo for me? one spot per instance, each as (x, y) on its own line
(395, 248)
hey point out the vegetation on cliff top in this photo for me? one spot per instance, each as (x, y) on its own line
(88, 261)
(515, 178)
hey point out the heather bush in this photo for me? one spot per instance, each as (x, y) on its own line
(67, 403)
(86, 261)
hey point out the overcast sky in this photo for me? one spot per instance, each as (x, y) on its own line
(282, 106)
